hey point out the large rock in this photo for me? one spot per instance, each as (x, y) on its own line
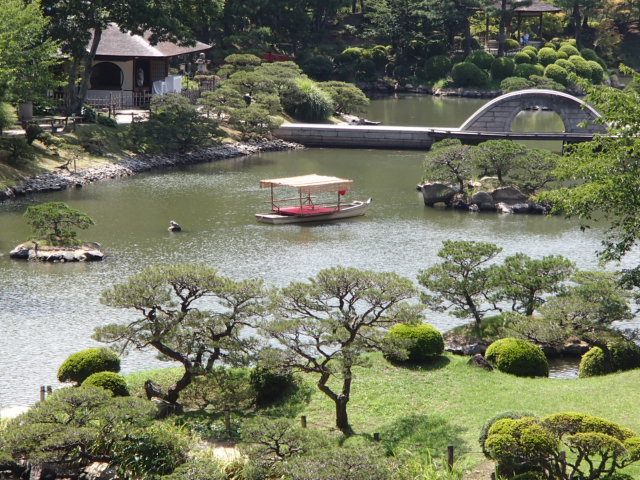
(483, 200)
(438, 193)
(508, 195)
(80, 253)
(480, 362)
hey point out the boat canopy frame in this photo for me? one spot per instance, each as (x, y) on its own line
(307, 185)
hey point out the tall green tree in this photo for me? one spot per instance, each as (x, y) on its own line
(325, 325)
(27, 57)
(190, 314)
(603, 175)
(498, 157)
(56, 222)
(450, 161)
(578, 10)
(463, 282)
(78, 26)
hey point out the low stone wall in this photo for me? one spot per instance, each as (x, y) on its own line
(356, 136)
(54, 181)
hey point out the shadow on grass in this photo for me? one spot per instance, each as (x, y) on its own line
(423, 434)
(434, 363)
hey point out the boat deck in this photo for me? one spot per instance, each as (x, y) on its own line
(305, 210)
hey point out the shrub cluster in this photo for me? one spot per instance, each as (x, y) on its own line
(624, 356)
(467, 74)
(422, 341)
(80, 365)
(518, 357)
(114, 382)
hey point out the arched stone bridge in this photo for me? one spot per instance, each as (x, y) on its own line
(492, 121)
(499, 113)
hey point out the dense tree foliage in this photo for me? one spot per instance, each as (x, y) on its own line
(189, 313)
(56, 222)
(324, 326)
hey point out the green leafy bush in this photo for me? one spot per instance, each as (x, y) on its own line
(547, 56)
(107, 121)
(589, 54)
(557, 73)
(307, 102)
(80, 365)
(525, 70)
(512, 84)
(511, 44)
(319, 68)
(521, 57)
(484, 431)
(502, 67)
(17, 152)
(582, 67)
(467, 74)
(8, 116)
(55, 223)
(530, 48)
(593, 363)
(366, 71)
(597, 73)
(271, 387)
(546, 83)
(422, 341)
(481, 58)
(437, 67)
(517, 357)
(114, 382)
(563, 55)
(566, 64)
(346, 97)
(33, 132)
(569, 50)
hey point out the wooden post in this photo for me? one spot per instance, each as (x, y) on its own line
(49, 390)
(42, 392)
(450, 456)
(303, 421)
(376, 437)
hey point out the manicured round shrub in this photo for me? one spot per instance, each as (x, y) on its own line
(563, 55)
(512, 84)
(597, 73)
(557, 74)
(437, 67)
(582, 67)
(592, 363)
(525, 70)
(307, 102)
(589, 54)
(568, 49)
(511, 44)
(566, 64)
(502, 67)
(114, 382)
(521, 57)
(270, 387)
(467, 74)
(518, 357)
(530, 48)
(550, 45)
(481, 58)
(484, 431)
(626, 355)
(547, 56)
(424, 340)
(84, 363)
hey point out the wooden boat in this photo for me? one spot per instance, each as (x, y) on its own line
(307, 207)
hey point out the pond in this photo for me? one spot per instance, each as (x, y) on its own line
(48, 311)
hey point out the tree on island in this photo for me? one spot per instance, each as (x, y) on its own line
(190, 314)
(327, 324)
(55, 223)
(450, 161)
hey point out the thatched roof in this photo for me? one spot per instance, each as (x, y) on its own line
(309, 183)
(115, 43)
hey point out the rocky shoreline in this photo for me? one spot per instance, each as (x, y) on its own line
(55, 181)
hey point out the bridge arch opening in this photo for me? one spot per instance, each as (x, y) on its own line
(540, 120)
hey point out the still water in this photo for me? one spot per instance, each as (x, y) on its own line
(48, 311)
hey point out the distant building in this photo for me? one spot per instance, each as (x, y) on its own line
(128, 67)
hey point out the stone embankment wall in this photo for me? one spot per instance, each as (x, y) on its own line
(63, 180)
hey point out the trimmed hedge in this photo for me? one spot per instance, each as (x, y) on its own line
(271, 387)
(557, 74)
(521, 57)
(484, 431)
(583, 69)
(525, 70)
(592, 363)
(568, 49)
(518, 357)
(84, 363)
(502, 67)
(624, 356)
(597, 72)
(114, 382)
(467, 74)
(547, 56)
(425, 341)
(566, 64)
(511, 44)
(511, 84)
(481, 58)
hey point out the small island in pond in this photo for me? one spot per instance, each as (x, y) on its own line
(54, 225)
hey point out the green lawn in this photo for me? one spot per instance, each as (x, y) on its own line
(420, 409)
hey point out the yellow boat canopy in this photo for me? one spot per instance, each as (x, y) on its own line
(310, 183)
